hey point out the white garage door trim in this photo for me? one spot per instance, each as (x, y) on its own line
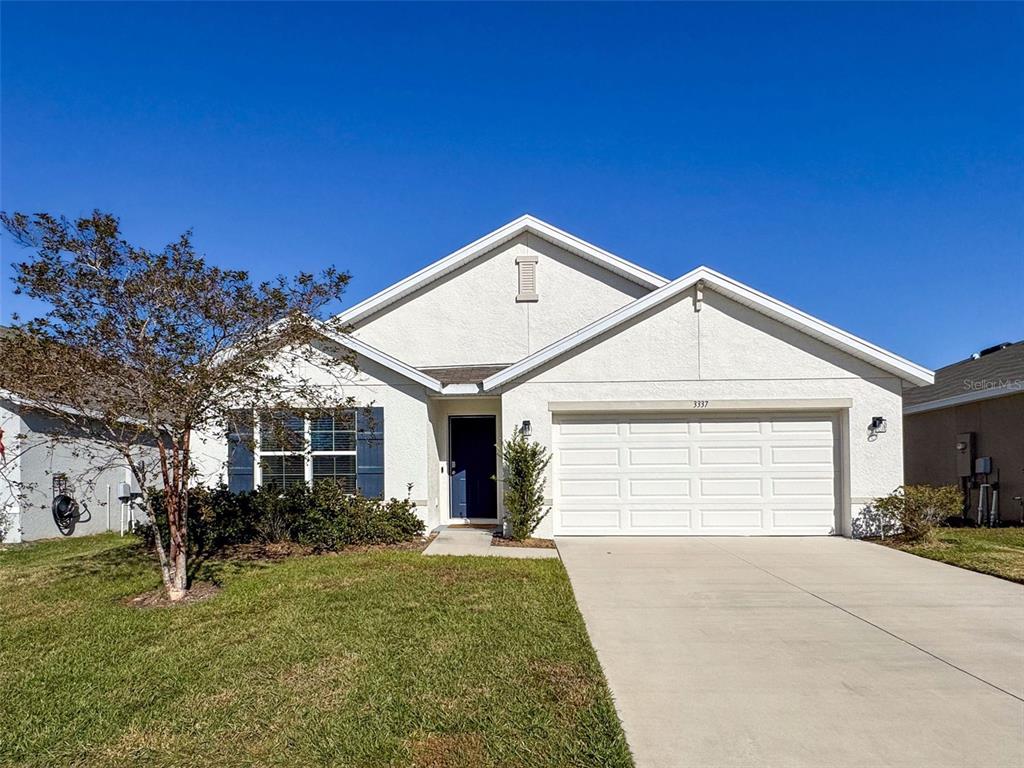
(739, 474)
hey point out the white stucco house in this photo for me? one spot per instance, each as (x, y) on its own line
(689, 406)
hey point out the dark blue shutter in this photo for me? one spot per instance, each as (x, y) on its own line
(240, 447)
(370, 452)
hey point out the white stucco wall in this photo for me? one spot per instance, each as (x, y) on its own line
(10, 477)
(723, 353)
(471, 315)
(93, 471)
(407, 432)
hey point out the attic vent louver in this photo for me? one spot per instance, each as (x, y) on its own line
(527, 277)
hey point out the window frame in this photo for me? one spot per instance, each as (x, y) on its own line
(306, 452)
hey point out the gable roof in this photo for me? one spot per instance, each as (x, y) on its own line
(777, 310)
(997, 374)
(477, 248)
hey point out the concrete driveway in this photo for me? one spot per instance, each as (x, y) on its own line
(816, 652)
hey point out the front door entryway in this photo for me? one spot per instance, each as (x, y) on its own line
(472, 466)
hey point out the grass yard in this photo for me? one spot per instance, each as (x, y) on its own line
(995, 551)
(370, 659)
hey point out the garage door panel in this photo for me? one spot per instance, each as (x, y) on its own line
(803, 486)
(731, 518)
(803, 455)
(607, 428)
(589, 457)
(663, 475)
(591, 519)
(658, 457)
(729, 426)
(589, 489)
(668, 427)
(641, 519)
(821, 519)
(655, 486)
(730, 455)
(732, 487)
(794, 425)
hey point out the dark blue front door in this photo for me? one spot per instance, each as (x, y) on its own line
(473, 464)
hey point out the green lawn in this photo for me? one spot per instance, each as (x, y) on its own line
(995, 551)
(372, 659)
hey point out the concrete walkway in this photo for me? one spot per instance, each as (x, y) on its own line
(454, 540)
(802, 652)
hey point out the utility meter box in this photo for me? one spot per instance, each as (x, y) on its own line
(983, 465)
(965, 454)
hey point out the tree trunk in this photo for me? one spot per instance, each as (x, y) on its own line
(173, 563)
(178, 587)
(178, 550)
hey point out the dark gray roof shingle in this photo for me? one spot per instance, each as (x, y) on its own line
(464, 374)
(1003, 368)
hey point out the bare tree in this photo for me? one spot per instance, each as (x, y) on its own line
(138, 350)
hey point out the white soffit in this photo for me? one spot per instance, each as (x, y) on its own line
(464, 255)
(777, 310)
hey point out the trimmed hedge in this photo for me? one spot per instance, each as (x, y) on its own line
(322, 517)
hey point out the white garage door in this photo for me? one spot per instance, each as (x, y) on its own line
(634, 475)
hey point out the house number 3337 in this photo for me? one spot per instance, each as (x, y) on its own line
(700, 403)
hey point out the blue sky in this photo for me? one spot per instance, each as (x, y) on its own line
(862, 162)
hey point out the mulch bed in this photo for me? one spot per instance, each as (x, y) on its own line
(500, 541)
(157, 598)
(280, 551)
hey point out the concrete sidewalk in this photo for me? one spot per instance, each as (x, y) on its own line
(453, 540)
(802, 652)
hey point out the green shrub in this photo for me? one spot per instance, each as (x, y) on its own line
(322, 517)
(524, 464)
(333, 519)
(914, 511)
(216, 518)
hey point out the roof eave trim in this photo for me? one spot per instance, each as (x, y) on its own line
(461, 389)
(452, 261)
(773, 308)
(963, 399)
(372, 353)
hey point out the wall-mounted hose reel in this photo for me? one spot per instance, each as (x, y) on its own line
(66, 511)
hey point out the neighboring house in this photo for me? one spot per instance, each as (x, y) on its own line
(692, 406)
(974, 411)
(40, 464)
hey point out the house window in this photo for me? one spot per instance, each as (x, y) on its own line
(527, 278)
(332, 439)
(305, 448)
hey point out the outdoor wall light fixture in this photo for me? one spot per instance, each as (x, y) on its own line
(526, 430)
(877, 425)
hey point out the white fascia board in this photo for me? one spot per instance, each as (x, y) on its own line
(964, 399)
(461, 389)
(487, 243)
(763, 303)
(372, 353)
(819, 329)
